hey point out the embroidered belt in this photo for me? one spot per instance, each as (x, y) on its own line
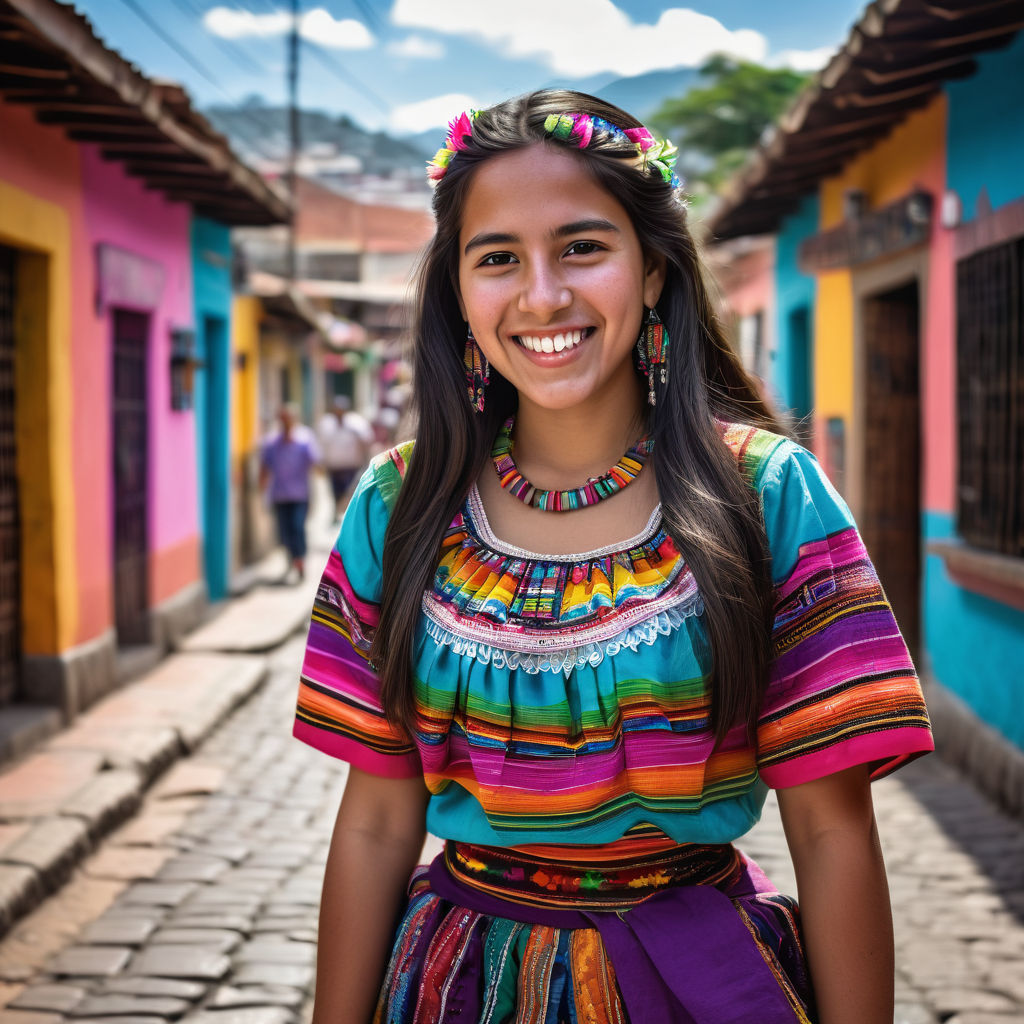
(606, 885)
(681, 929)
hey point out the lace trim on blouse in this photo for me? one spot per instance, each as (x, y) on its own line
(564, 651)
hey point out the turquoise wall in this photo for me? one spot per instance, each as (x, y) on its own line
(794, 292)
(975, 646)
(211, 263)
(986, 129)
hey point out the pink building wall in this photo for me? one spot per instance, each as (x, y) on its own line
(104, 205)
(938, 360)
(120, 211)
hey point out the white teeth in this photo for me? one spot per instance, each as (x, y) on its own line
(548, 343)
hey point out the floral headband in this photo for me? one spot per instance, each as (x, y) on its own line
(651, 153)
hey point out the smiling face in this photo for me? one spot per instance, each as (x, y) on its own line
(552, 279)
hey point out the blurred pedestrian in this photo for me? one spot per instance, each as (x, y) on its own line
(287, 458)
(385, 425)
(346, 440)
(583, 678)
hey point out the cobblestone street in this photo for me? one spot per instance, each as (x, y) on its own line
(203, 905)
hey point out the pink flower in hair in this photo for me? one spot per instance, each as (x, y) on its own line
(641, 136)
(459, 130)
(583, 130)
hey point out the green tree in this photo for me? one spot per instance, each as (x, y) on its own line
(717, 123)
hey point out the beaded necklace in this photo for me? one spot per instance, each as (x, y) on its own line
(594, 490)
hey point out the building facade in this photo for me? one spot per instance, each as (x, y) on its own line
(114, 357)
(900, 327)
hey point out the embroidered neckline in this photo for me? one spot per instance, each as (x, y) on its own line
(482, 526)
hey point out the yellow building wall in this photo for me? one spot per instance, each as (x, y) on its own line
(885, 172)
(245, 344)
(43, 425)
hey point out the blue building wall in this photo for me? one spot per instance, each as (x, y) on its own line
(792, 374)
(211, 262)
(975, 646)
(986, 129)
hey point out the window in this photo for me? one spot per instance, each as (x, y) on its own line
(990, 398)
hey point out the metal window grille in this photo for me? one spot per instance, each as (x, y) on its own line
(990, 398)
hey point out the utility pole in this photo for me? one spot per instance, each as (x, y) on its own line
(294, 141)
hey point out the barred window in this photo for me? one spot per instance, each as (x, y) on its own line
(990, 398)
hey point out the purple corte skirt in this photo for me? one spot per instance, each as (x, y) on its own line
(696, 935)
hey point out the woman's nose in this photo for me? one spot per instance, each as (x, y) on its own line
(544, 292)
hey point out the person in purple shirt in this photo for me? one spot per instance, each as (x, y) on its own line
(285, 463)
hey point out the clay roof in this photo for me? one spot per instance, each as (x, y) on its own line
(326, 216)
(895, 60)
(52, 61)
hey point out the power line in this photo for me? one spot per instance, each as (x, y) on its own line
(368, 13)
(142, 14)
(348, 78)
(332, 66)
(239, 56)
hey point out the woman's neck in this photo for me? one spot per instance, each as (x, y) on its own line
(556, 449)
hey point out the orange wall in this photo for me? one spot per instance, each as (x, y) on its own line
(69, 599)
(912, 156)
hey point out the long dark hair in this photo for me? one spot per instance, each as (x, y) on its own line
(709, 510)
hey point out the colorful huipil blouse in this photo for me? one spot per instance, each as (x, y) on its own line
(563, 700)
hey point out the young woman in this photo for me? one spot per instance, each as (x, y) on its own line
(584, 678)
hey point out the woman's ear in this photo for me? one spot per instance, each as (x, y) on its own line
(654, 278)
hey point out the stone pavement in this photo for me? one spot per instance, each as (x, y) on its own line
(202, 907)
(57, 803)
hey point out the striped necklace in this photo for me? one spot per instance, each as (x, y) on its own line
(594, 490)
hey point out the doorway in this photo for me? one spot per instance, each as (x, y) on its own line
(131, 478)
(10, 525)
(890, 519)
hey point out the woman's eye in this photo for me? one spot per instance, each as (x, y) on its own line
(497, 259)
(582, 249)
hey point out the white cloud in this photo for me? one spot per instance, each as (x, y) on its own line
(433, 113)
(232, 23)
(577, 38)
(802, 60)
(318, 26)
(416, 47)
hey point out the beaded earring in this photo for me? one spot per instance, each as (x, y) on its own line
(478, 371)
(652, 352)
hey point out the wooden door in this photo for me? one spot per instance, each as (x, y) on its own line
(131, 478)
(891, 518)
(10, 529)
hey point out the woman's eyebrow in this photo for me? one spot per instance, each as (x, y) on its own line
(491, 238)
(575, 228)
(581, 226)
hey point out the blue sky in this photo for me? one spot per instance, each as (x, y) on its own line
(407, 65)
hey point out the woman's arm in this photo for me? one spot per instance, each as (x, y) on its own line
(377, 840)
(844, 898)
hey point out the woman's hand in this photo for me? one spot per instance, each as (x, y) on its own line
(376, 843)
(844, 898)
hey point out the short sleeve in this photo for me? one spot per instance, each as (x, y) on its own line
(339, 709)
(842, 689)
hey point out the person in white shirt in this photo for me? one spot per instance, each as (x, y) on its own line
(345, 440)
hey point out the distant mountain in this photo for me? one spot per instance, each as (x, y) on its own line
(428, 142)
(259, 131)
(641, 95)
